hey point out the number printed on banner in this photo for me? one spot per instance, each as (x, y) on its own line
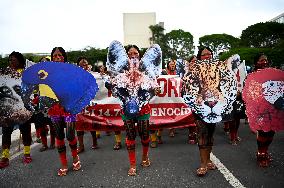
(109, 112)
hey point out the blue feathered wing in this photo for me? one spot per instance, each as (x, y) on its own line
(73, 86)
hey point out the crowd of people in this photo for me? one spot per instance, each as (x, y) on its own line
(61, 123)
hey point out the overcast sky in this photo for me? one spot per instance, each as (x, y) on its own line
(36, 26)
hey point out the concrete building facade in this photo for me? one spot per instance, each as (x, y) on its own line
(136, 28)
(279, 19)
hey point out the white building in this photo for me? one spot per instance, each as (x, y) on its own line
(136, 28)
(279, 19)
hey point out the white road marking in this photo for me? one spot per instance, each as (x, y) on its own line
(227, 174)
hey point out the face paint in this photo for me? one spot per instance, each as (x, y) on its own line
(133, 53)
(206, 54)
(57, 56)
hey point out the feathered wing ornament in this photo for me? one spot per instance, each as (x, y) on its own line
(210, 90)
(133, 81)
(117, 59)
(12, 108)
(180, 67)
(72, 85)
(234, 61)
(239, 68)
(264, 96)
(151, 61)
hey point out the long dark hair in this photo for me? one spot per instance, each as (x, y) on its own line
(200, 51)
(133, 46)
(20, 58)
(256, 58)
(168, 63)
(80, 58)
(60, 50)
(191, 58)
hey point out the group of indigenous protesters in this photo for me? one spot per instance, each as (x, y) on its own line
(132, 78)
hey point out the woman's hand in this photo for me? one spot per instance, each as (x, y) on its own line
(157, 90)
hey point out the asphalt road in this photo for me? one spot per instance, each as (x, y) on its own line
(174, 164)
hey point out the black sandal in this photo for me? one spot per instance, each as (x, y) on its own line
(117, 146)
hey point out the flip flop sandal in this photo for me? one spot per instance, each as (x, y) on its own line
(132, 171)
(62, 172)
(77, 165)
(201, 171)
(146, 163)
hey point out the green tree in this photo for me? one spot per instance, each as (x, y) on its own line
(179, 44)
(94, 55)
(3, 61)
(158, 37)
(248, 54)
(263, 35)
(219, 42)
(157, 34)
